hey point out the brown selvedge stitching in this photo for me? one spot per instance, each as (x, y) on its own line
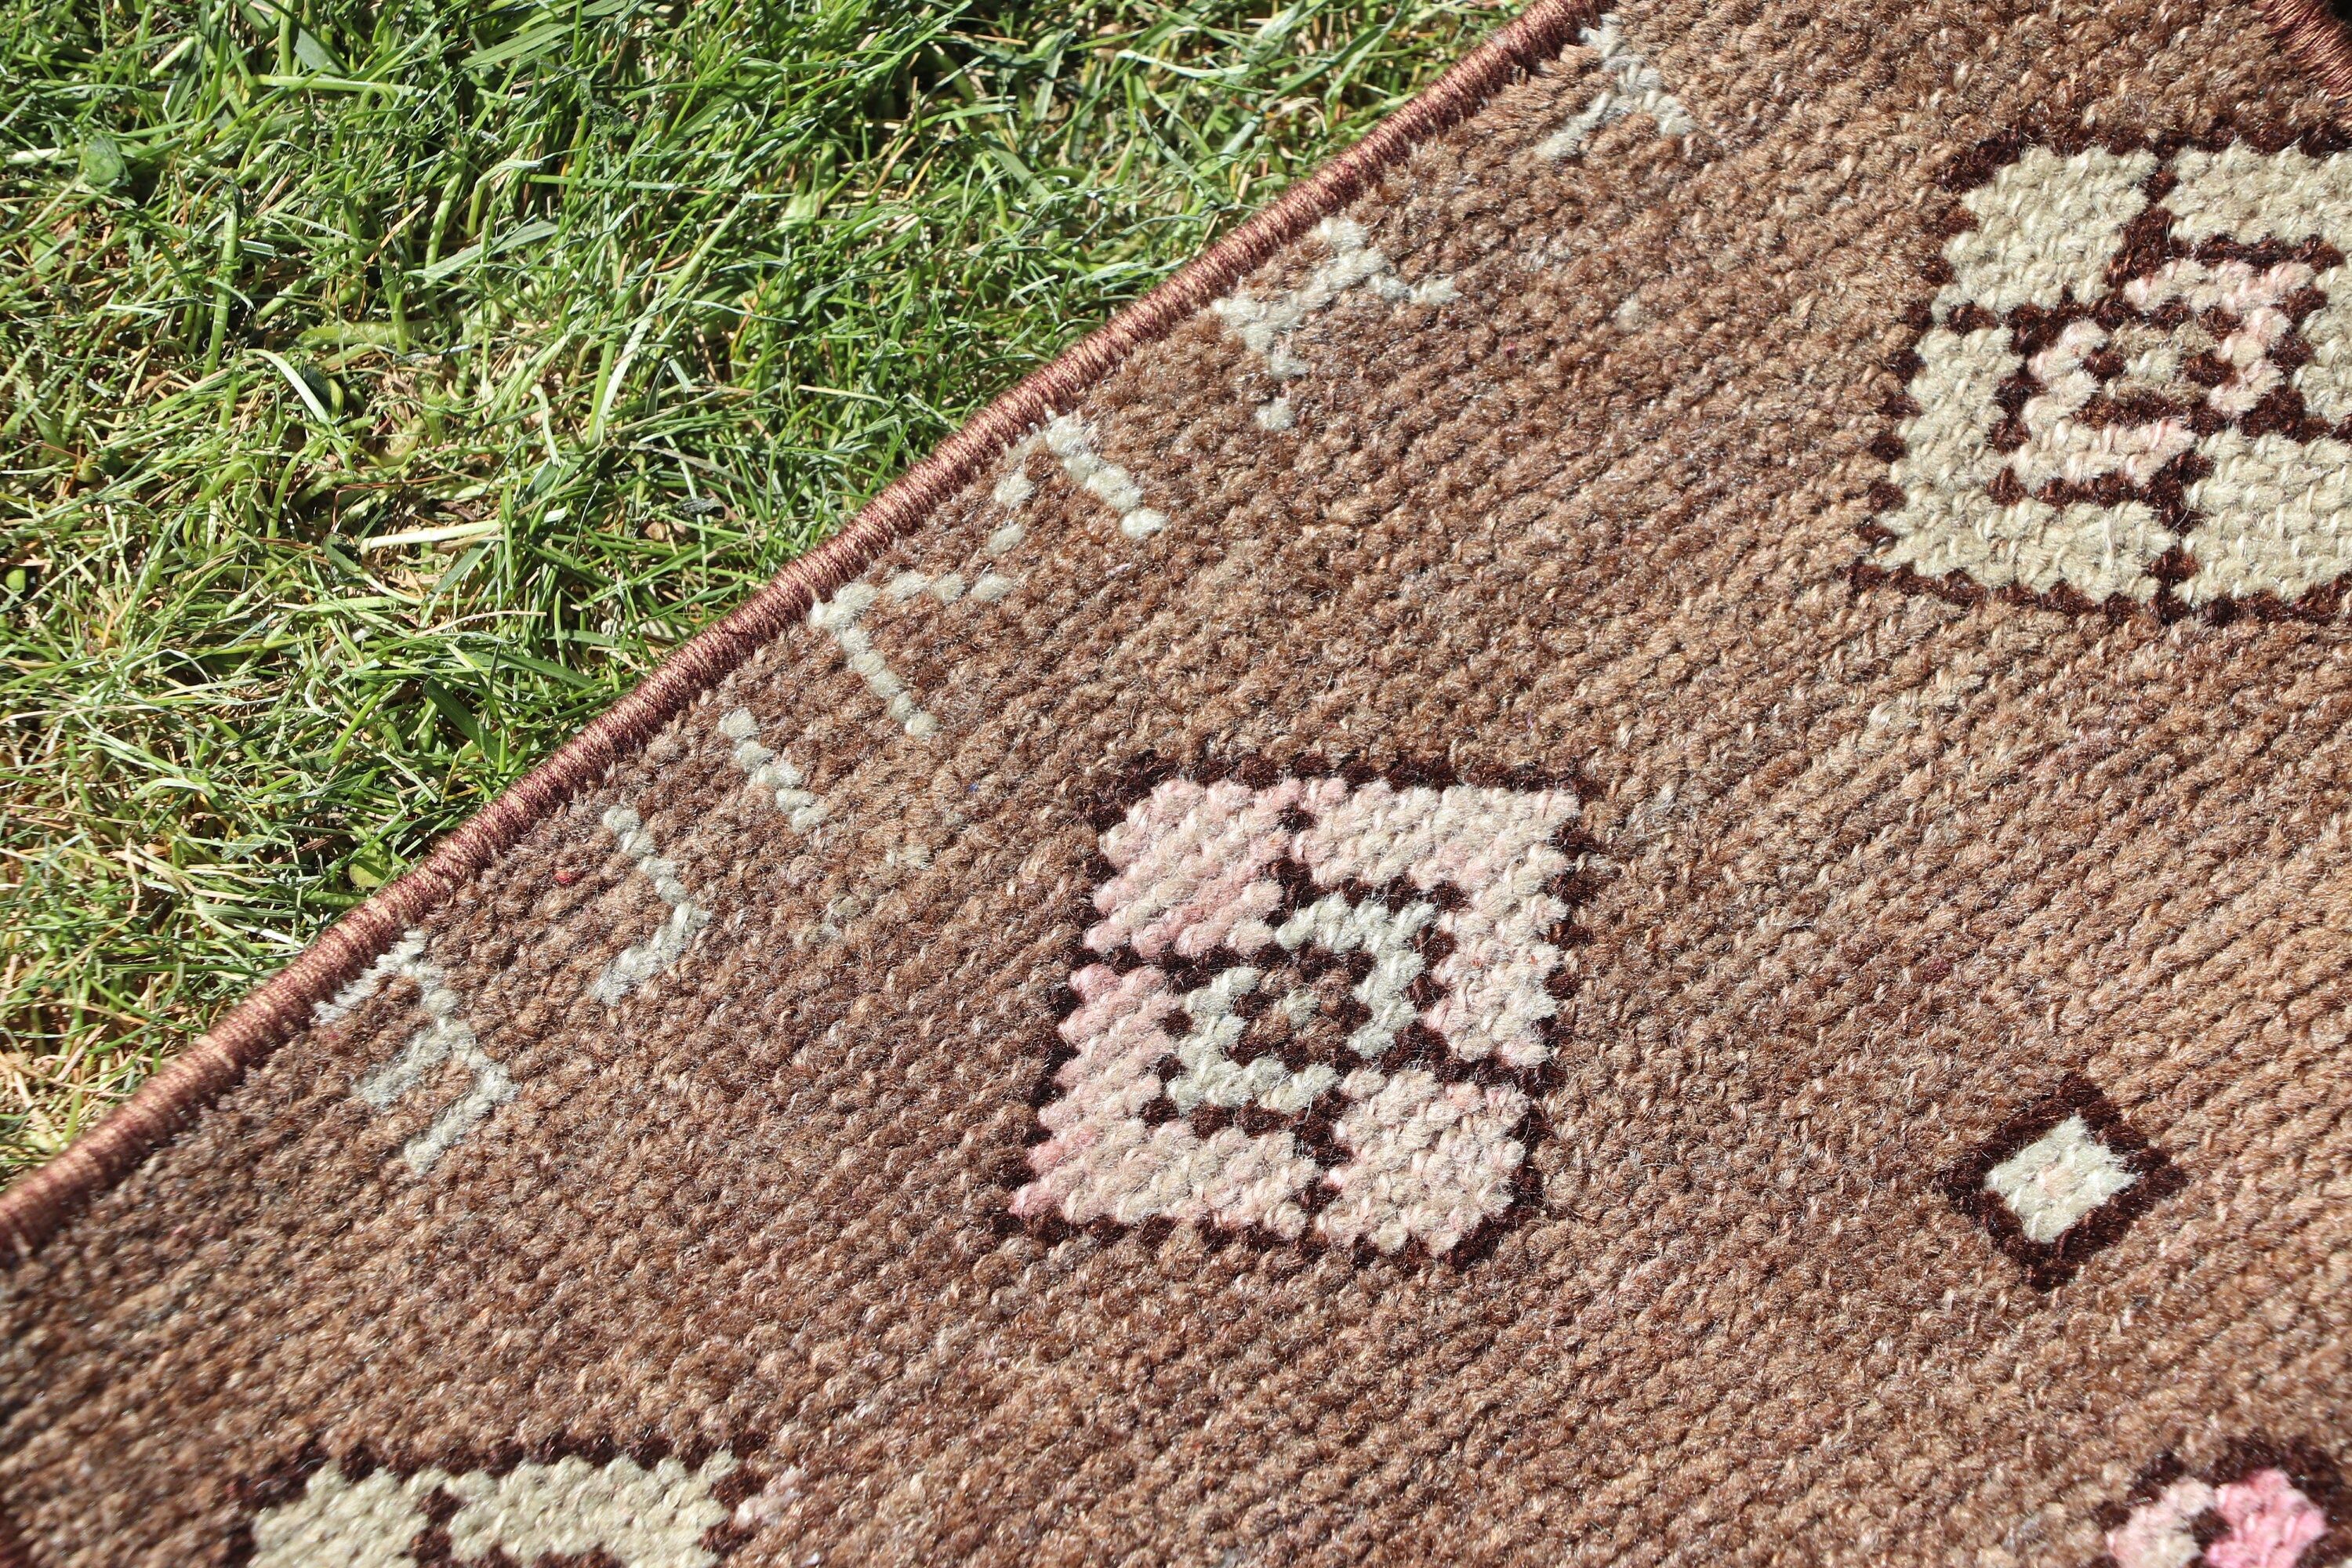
(1111, 796)
(2146, 242)
(2049, 1264)
(32, 1210)
(282, 1483)
(2316, 37)
(14, 1553)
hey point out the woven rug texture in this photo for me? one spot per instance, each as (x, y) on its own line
(1625, 843)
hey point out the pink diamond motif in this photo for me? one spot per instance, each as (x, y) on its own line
(1317, 1007)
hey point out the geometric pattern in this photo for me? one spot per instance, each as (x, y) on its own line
(2134, 385)
(2062, 1180)
(447, 1037)
(842, 614)
(1635, 87)
(595, 1508)
(641, 962)
(2264, 1505)
(771, 774)
(1267, 324)
(1313, 1007)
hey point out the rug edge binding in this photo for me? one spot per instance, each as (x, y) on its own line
(37, 1205)
(2315, 38)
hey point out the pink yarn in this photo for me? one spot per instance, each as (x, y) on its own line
(2271, 1523)
(1192, 876)
(2157, 1535)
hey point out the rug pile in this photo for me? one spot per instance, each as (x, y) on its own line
(1625, 842)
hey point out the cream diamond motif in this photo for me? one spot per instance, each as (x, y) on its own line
(2132, 384)
(2052, 1183)
(2060, 1181)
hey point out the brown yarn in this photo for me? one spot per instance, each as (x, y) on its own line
(2317, 36)
(37, 1204)
(1372, 925)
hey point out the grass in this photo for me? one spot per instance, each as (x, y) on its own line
(383, 389)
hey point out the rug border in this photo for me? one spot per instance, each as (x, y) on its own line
(37, 1205)
(2315, 38)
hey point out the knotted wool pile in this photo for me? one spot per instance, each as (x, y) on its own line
(1624, 843)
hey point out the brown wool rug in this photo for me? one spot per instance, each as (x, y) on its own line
(1626, 842)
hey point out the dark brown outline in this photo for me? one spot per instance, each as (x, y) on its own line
(2050, 1265)
(1974, 167)
(33, 1209)
(1106, 804)
(2308, 1465)
(284, 1481)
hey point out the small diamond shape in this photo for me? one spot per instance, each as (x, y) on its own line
(2062, 1180)
(2059, 1178)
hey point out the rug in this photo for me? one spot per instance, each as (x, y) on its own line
(1626, 842)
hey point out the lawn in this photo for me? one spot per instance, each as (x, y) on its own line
(383, 389)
